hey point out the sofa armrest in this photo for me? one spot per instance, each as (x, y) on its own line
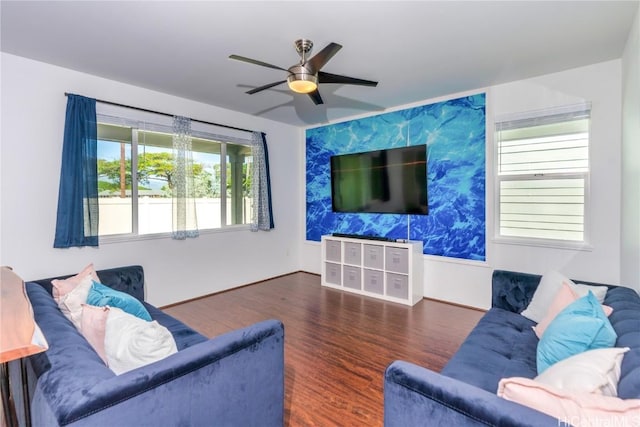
(233, 379)
(414, 396)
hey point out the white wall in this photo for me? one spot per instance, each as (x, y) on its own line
(630, 231)
(469, 283)
(32, 118)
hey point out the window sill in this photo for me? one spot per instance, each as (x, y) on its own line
(555, 244)
(124, 238)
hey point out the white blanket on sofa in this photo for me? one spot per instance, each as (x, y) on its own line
(131, 342)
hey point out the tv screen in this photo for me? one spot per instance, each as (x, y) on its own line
(382, 181)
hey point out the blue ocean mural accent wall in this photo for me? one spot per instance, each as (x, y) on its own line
(454, 132)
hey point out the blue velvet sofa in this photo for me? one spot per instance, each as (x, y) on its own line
(235, 379)
(501, 345)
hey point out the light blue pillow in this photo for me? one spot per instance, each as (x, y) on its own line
(581, 326)
(101, 295)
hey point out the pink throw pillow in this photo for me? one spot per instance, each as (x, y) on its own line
(93, 327)
(63, 287)
(578, 409)
(565, 296)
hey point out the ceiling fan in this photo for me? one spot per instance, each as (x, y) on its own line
(305, 76)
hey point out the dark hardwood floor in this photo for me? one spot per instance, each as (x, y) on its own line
(337, 344)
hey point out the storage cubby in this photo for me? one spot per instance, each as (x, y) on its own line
(388, 270)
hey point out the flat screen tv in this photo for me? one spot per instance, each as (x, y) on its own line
(382, 181)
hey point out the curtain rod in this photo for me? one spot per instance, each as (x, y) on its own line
(166, 114)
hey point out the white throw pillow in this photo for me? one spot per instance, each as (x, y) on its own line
(594, 371)
(131, 342)
(550, 284)
(600, 292)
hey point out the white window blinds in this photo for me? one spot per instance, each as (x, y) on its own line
(543, 166)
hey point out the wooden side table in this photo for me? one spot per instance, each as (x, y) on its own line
(20, 337)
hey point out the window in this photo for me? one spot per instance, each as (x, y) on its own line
(135, 173)
(543, 175)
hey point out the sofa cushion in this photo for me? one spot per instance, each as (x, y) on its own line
(626, 322)
(501, 345)
(581, 326)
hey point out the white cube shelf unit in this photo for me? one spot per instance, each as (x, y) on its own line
(389, 270)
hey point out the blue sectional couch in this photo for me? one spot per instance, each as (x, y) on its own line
(502, 345)
(235, 379)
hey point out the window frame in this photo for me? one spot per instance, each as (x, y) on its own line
(155, 122)
(583, 244)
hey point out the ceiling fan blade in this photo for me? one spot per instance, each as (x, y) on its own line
(335, 78)
(322, 57)
(261, 88)
(256, 62)
(315, 97)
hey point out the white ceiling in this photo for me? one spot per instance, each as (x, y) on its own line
(416, 50)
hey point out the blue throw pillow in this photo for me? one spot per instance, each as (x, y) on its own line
(581, 326)
(101, 295)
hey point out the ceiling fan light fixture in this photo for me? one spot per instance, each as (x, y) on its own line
(302, 86)
(301, 81)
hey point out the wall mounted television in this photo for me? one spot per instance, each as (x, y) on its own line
(382, 181)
